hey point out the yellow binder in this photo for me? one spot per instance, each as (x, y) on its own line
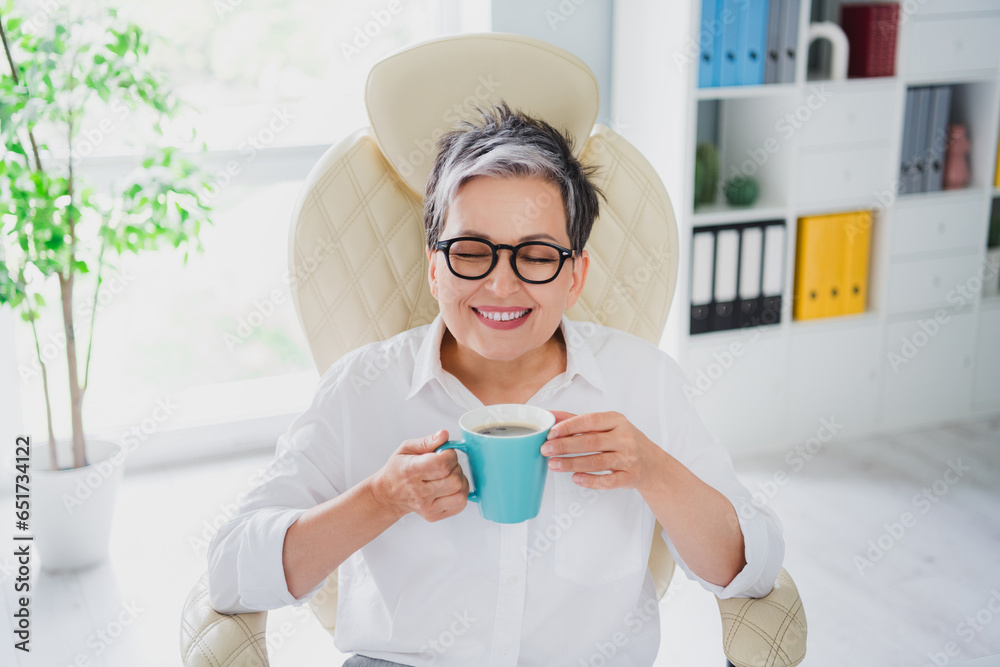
(831, 265)
(857, 237)
(808, 302)
(834, 250)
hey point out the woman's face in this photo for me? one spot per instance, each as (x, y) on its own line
(507, 210)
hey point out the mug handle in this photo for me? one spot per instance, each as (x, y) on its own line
(461, 446)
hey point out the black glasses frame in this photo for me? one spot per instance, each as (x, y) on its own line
(564, 254)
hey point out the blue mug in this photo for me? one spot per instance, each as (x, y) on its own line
(508, 470)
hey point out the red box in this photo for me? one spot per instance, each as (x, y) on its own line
(871, 30)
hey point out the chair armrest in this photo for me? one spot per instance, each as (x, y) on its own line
(765, 632)
(211, 639)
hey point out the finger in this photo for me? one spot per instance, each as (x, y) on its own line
(585, 423)
(434, 469)
(586, 443)
(446, 484)
(590, 463)
(614, 480)
(426, 444)
(561, 416)
(450, 503)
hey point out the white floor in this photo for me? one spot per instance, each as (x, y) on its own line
(929, 592)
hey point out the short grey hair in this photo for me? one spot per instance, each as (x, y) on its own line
(510, 143)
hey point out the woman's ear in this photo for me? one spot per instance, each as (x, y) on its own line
(580, 267)
(431, 273)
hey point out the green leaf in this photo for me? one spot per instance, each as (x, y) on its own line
(40, 300)
(81, 266)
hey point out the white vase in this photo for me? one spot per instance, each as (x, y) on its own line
(72, 509)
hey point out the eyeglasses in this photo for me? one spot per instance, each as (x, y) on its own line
(534, 262)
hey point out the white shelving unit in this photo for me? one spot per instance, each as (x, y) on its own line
(768, 388)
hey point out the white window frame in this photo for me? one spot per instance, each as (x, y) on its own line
(242, 436)
(168, 445)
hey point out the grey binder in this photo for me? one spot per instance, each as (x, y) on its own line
(906, 166)
(922, 138)
(788, 54)
(774, 19)
(940, 109)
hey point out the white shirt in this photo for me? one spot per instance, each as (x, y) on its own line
(570, 587)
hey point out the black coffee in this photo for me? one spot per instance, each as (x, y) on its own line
(507, 430)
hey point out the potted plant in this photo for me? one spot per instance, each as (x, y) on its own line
(59, 67)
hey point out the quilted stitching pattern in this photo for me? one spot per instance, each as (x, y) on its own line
(358, 268)
(765, 632)
(633, 245)
(211, 639)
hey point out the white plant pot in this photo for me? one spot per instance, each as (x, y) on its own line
(72, 509)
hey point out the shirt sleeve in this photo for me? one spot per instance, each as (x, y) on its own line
(245, 570)
(690, 442)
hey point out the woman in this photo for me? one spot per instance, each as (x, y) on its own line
(424, 579)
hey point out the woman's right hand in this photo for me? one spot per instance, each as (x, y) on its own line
(418, 479)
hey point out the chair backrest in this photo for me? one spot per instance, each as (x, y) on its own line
(356, 250)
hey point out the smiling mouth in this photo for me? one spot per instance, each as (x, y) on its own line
(503, 317)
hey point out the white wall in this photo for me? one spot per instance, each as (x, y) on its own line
(582, 27)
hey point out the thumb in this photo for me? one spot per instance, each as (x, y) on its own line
(427, 444)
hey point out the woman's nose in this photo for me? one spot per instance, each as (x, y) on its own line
(502, 280)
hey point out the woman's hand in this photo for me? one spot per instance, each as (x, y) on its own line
(633, 459)
(416, 479)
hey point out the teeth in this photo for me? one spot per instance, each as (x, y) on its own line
(502, 317)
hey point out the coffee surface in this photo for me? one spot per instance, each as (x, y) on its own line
(507, 430)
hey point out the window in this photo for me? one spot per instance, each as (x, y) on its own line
(271, 85)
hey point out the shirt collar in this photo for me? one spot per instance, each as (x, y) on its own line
(579, 357)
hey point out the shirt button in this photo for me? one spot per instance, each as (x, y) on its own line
(511, 581)
(505, 649)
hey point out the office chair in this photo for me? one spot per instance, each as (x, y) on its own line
(367, 192)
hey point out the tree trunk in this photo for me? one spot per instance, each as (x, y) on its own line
(75, 391)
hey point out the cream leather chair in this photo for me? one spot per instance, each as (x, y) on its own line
(366, 192)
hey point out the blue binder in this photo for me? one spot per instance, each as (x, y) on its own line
(731, 66)
(754, 41)
(708, 56)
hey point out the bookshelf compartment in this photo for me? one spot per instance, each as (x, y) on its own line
(746, 137)
(871, 30)
(961, 45)
(831, 265)
(939, 120)
(929, 7)
(720, 374)
(847, 116)
(830, 177)
(945, 282)
(836, 375)
(747, 42)
(737, 276)
(932, 226)
(928, 378)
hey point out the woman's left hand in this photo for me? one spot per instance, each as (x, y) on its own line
(612, 442)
